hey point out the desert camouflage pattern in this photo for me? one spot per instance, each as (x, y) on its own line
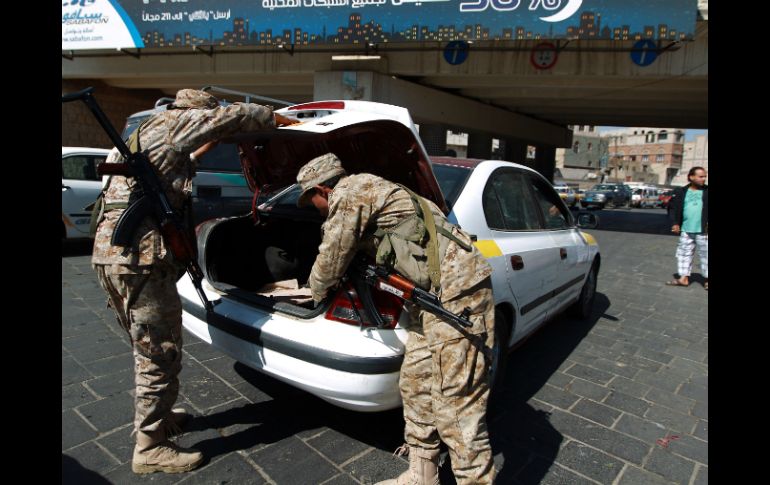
(315, 172)
(168, 138)
(444, 377)
(445, 385)
(140, 281)
(363, 202)
(149, 309)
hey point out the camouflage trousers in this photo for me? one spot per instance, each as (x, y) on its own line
(444, 385)
(149, 309)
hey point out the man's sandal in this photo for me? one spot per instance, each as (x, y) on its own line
(676, 283)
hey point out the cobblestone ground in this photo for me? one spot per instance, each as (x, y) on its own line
(621, 398)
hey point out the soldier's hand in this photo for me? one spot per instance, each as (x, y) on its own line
(281, 120)
(675, 229)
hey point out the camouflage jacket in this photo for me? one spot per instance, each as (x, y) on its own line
(364, 202)
(168, 138)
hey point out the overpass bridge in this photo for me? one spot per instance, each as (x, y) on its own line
(496, 92)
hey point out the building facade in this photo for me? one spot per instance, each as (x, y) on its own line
(650, 155)
(696, 154)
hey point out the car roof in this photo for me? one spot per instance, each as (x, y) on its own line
(472, 163)
(95, 151)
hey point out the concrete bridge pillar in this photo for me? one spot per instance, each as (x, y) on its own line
(434, 139)
(479, 145)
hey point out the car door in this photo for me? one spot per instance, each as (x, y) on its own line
(569, 248)
(516, 226)
(80, 187)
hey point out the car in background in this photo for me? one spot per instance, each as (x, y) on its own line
(567, 194)
(579, 195)
(644, 196)
(219, 187)
(542, 262)
(665, 198)
(603, 195)
(80, 186)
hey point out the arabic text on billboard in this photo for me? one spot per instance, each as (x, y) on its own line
(109, 24)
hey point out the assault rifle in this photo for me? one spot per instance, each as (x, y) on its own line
(392, 282)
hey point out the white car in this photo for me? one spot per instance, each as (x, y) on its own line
(80, 186)
(542, 263)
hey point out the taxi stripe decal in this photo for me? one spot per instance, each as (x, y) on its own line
(589, 238)
(488, 248)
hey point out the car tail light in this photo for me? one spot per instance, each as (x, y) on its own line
(344, 310)
(320, 105)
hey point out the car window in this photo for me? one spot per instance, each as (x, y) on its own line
(507, 203)
(451, 180)
(555, 214)
(222, 158)
(81, 167)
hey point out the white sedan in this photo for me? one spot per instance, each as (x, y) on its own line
(80, 186)
(255, 265)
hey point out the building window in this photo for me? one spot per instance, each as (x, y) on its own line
(576, 146)
(589, 146)
(650, 138)
(659, 157)
(662, 135)
(645, 158)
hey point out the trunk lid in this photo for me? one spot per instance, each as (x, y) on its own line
(367, 137)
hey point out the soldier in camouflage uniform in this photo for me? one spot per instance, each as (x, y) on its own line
(444, 377)
(140, 280)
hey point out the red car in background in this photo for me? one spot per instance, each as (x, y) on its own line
(665, 197)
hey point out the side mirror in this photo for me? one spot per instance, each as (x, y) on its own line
(587, 220)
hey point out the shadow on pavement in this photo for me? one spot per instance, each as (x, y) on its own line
(520, 433)
(642, 221)
(76, 247)
(73, 472)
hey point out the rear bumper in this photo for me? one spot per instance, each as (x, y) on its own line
(352, 382)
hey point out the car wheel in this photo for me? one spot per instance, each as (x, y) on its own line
(584, 305)
(499, 350)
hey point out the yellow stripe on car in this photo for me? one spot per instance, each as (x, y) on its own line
(488, 248)
(589, 238)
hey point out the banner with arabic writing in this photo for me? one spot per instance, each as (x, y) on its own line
(109, 24)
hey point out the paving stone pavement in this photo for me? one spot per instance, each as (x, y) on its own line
(621, 398)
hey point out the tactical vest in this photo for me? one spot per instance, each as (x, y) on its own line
(414, 242)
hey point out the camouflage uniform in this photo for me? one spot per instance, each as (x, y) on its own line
(140, 281)
(443, 382)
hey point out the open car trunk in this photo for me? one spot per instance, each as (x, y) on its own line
(247, 260)
(242, 255)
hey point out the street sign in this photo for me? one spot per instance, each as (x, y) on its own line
(644, 52)
(456, 52)
(544, 55)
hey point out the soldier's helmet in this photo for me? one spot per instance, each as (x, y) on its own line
(193, 98)
(316, 172)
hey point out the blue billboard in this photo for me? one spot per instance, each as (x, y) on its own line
(109, 24)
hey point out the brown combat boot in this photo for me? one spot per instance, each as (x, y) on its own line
(423, 467)
(154, 455)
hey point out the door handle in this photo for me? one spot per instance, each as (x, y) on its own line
(517, 263)
(563, 253)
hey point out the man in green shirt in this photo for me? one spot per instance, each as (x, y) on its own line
(690, 212)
